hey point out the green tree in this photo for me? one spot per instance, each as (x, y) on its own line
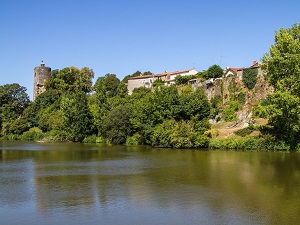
(182, 79)
(33, 113)
(107, 86)
(250, 77)
(70, 79)
(214, 71)
(77, 120)
(179, 134)
(122, 90)
(282, 64)
(158, 82)
(117, 126)
(192, 104)
(13, 101)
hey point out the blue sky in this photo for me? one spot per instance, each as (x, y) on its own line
(122, 37)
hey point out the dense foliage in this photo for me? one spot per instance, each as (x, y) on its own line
(214, 71)
(66, 111)
(13, 102)
(250, 77)
(282, 63)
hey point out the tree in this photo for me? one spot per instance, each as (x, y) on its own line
(214, 71)
(70, 79)
(33, 113)
(284, 116)
(13, 101)
(179, 134)
(77, 120)
(282, 64)
(122, 90)
(158, 82)
(148, 73)
(107, 86)
(193, 104)
(117, 126)
(250, 77)
(182, 79)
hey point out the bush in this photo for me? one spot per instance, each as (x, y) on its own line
(241, 97)
(33, 134)
(136, 139)
(181, 134)
(229, 115)
(245, 131)
(216, 101)
(90, 139)
(11, 137)
(182, 79)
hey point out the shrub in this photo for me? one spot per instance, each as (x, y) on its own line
(241, 97)
(11, 137)
(90, 139)
(245, 131)
(229, 115)
(182, 79)
(33, 134)
(136, 139)
(181, 134)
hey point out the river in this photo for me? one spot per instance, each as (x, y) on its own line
(68, 183)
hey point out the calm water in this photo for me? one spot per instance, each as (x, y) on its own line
(93, 184)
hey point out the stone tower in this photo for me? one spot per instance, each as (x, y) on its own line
(41, 73)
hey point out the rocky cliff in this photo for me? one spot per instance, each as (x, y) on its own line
(233, 88)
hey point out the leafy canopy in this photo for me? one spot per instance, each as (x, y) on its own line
(214, 71)
(70, 79)
(282, 63)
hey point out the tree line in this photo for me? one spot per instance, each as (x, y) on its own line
(73, 109)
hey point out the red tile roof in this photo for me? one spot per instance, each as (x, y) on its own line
(161, 74)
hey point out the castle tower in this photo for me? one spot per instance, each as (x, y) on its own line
(41, 73)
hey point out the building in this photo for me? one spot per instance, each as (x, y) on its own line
(147, 80)
(41, 73)
(231, 71)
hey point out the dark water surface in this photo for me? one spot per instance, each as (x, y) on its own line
(95, 184)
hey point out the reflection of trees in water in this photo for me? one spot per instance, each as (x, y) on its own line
(86, 177)
(15, 182)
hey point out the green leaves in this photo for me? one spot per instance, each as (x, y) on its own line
(282, 63)
(250, 77)
(117, 126)
(77, 119)
(214, 71)
(178, 134)
(70, 79)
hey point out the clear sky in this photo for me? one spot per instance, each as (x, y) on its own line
(123, 36)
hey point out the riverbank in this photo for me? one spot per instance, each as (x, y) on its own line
(221, 136)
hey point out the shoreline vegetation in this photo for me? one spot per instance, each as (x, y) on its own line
(238, 141)
(241, 117)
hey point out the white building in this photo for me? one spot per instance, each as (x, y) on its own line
(147, 80)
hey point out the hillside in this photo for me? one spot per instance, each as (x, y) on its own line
(233, 99)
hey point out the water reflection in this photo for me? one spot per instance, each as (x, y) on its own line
(141, 185)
